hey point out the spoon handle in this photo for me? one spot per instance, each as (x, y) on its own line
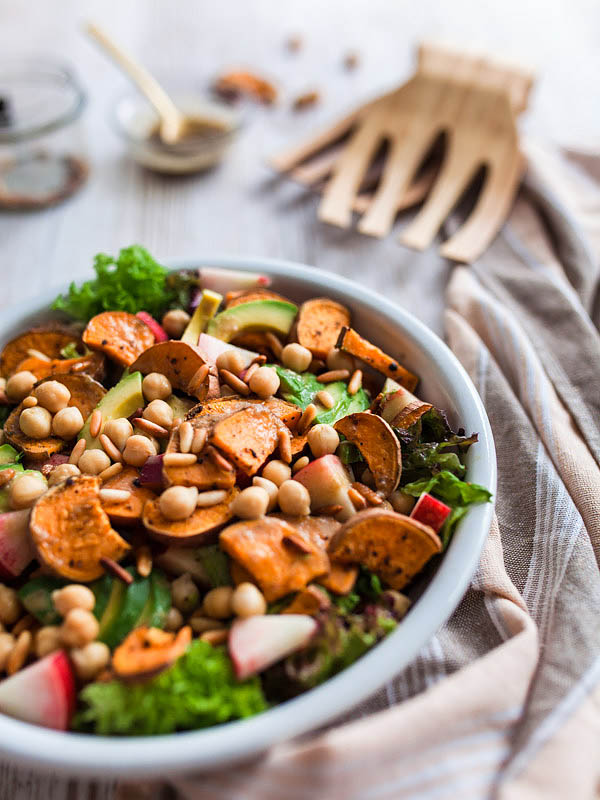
(148, 85)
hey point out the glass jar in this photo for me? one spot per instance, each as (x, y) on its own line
(41, 149)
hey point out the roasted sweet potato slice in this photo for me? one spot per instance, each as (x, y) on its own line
(288, 413)
(411, 414)
(129, 512)
(119, 334)
(201, 528)
(92, 364)
(378, 445)
(340, 579)
(72, 532)
(319, 323)
(310, 601)
(148, 651)
(206, 473)
(351, 342)
(86, 393)
(247, 437)
(49, 341)
(264, 548)
(237, 298)
(298, 443)
(393, 546)
(180, 362)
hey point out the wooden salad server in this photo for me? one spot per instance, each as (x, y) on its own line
(473, 101)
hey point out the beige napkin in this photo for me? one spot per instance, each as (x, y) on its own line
(505, 700)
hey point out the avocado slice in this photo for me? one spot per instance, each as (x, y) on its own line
(158, 604)
(120, 401)
(110, 615)
(205, 311)
(180, 405)
(257, 315)
(101, 589)
(134, 599)
(36, 597)
(8, 456)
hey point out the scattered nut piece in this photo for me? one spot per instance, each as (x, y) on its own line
(306, 100)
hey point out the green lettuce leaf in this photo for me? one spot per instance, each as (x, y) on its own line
(199, 690)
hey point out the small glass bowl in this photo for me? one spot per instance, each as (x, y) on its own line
(136, 120)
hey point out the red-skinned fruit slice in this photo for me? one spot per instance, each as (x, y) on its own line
(257, 642)
(159, 332)
(43, 693)
(327, 482)
(211, 348)
(16, 547)
(231, 280)
(430, 511)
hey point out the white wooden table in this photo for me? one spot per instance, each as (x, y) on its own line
(239, 208)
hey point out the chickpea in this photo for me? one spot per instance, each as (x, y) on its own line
(217, 602)
(264, 382)
(174, 619)
(251, 503)
(19, 385)
(79, 627)
(75, 595)
(296, 357)
(90, 660)
(337, 359)
(52, 395)
(92, 462)
(67, 423)
(10, 606)
(230, 360)
(47, 640)
(294, 499)
(26, 489)
(402, 503)
(178, 502)
(184, 593)
(201, 623)
(118, 431)
(156, 386)
(36, 422)
(277, 471)
(138, 450)
(248, 600)
(7, 644)
(323, 440)
(62, 472)
(160, 413)
(175, 322)
(270, 488)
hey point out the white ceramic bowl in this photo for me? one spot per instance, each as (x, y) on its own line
(444, 383)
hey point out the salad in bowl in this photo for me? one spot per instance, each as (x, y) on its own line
(213, 498)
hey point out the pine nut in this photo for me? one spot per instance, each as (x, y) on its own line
(358, 501)
(328, 511)
(19, 653)
(110, 472)
(300, 464)
(250, 371)
(116, 570)
(24, 624)
(219, 459)
(6, 476)
(372, 498)
(215, 637)
(355, 382)
(33, 353)
(325, 398)
(179, 459)
(307, 418)
(186, 436)
(274, 344)
(199, 440)
(201, 623)
(285, 445)
(333, 375)
(212, 498)
(111, 450)
(150, 427)
(77, 452)
(114, 495)
(96, 423)
(143, 561)
(199, 376)
(237, 384)
(30, 401)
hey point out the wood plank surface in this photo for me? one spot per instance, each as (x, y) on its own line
(240, 208)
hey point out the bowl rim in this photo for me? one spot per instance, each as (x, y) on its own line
(233, 742)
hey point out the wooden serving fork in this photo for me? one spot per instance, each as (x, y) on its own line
(474, 102)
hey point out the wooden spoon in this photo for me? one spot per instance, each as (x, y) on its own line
(173, 124)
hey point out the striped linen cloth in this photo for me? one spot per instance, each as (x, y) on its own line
(504, 702)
